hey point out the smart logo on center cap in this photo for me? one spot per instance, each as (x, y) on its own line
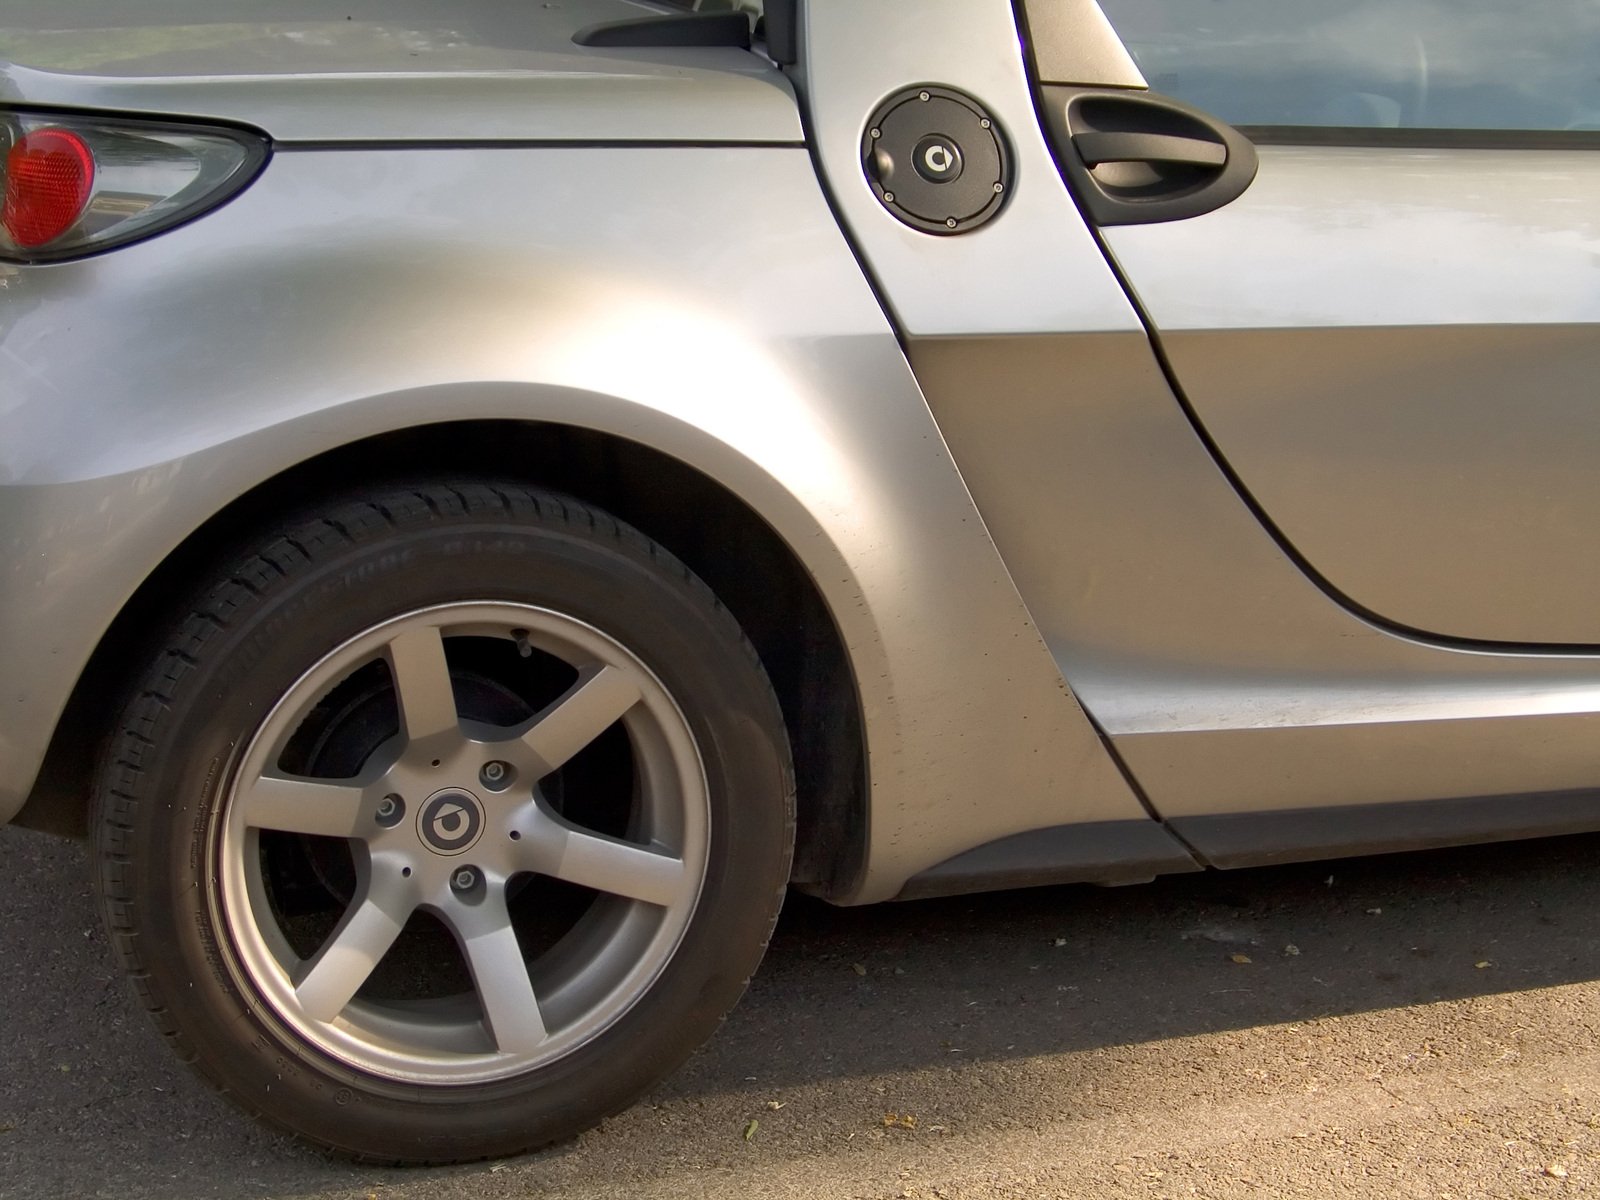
(450, 822)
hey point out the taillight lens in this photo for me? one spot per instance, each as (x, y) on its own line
(71, 185)
(49, 180)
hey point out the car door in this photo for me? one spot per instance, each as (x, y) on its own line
(1387, 335)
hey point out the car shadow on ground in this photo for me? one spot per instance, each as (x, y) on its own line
(91, 1103)
(1136, 964)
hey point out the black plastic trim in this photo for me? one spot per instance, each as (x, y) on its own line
(780, 26)
(1096, 148)
(1133, 851)
(1422, 139)
(1304, 835)
(1194, 165)
(1092, 852)
(686, 29)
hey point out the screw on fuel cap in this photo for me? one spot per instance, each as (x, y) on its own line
(936, 160)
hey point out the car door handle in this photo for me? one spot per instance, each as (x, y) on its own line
(1113, 147)
(1132, 157)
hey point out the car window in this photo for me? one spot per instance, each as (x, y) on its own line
(1421, 64)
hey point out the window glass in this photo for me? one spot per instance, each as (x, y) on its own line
(1433, 64)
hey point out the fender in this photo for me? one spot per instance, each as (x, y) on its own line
(649, 318)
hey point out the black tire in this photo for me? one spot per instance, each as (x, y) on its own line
(171, 790)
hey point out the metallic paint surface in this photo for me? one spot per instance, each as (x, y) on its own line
(391, 70)
(1396, 350)
(1227, 680)
(1034, 268)
(349, 294)
(1370, 236)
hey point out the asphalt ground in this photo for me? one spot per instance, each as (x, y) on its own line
(1417, 1025)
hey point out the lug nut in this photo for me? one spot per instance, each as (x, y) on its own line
(495, 775)
(390, 809)
(465, 879)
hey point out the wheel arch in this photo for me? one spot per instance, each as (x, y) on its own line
(750, 567)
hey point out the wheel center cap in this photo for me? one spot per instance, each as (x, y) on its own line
(451, 821)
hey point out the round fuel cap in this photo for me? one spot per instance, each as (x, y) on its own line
(936, 160)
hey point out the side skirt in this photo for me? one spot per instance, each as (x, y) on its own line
(1304, 835)
(1113, 852)
(1092, 852)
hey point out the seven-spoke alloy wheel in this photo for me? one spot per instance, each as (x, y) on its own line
(447, 822)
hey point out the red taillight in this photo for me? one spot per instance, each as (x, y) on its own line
(49, 179)
(74, 184)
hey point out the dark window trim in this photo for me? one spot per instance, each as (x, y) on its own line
(1421, 138)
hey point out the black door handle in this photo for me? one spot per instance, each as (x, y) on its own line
(1108, 147)
(1133, 157)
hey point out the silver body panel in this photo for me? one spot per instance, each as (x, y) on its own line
(1228, 681)
(779, 377)
(413, 71)
(1035, 268)
(1396, 350)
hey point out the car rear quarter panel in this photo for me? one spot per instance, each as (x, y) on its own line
(699, 300)
(378, 71)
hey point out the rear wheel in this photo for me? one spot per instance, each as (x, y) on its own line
(449, 820)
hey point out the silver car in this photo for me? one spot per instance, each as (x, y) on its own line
(493, 493)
